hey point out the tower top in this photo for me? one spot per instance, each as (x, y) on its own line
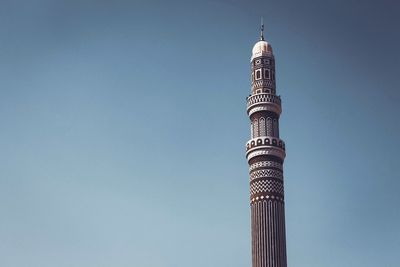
(262, 47)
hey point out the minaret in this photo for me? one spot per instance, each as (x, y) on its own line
(265, 153)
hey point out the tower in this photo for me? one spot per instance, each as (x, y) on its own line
(265, 153)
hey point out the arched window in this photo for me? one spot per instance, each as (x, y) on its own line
(276, 128)
(267, 74)
(269, 126)
(255, 131)
(258, 74)
(262, 126)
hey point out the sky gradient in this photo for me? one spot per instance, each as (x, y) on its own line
(123, 131)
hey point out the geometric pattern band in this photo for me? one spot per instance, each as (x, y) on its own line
(261, 164)
(266, 173)
(266, 197)
(269, 186)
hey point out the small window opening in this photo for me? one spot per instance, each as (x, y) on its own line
(258, 74)
(267, 74)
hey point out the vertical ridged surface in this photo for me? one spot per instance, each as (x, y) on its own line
(268, 233)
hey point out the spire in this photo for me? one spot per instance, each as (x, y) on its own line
(262, 30)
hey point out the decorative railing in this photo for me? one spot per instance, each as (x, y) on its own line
(265, 141)
(263, 98)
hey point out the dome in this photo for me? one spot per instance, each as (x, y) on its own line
(261, 48)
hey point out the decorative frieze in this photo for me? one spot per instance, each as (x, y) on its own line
(266, 186)
(265, 164)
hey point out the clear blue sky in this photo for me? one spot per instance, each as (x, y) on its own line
(123, 131)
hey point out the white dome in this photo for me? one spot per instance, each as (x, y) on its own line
(261, 48)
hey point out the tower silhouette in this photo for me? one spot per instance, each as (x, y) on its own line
(265, 153)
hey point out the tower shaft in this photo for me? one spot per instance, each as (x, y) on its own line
(265, 153)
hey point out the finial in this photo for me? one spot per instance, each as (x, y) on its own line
(262, 30)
